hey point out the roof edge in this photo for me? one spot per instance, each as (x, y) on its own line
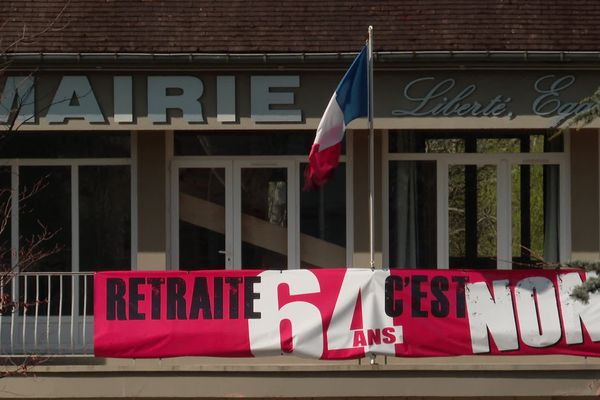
(302, 58)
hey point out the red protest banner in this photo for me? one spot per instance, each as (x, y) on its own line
(342, 313)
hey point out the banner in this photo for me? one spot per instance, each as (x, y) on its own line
(342, 313)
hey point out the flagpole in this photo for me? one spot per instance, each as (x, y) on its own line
(371, 154)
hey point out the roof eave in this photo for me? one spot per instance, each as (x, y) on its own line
(299, 58)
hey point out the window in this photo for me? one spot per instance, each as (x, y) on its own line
(72, 211)
(475, 200)
(239, 203)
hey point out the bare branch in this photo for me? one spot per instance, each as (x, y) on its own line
(51, 27)
(24, 367)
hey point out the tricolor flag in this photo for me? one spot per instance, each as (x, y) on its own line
(350, 101)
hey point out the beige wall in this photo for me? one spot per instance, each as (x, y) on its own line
(584, 195)
(512, 377)
(152, 254)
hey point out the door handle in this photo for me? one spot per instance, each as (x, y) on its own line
(227, 257)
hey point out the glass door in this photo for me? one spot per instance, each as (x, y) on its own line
(265, 222)
(234, 214)
(203, 228)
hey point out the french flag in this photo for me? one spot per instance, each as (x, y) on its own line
(350, 101)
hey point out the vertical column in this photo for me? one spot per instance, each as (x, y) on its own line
(584, 209)
(151, 188)
(504, 216)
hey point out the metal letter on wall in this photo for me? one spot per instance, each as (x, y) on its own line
(185, 94)
(74, 98)
(123, 99)
(226, 99)
(262, 98)
(18, 96)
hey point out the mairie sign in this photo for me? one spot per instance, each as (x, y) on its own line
(211, 100)
(343, 313)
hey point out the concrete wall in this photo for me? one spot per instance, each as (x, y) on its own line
(549, 377)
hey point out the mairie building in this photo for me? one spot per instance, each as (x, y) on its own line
(164, 135)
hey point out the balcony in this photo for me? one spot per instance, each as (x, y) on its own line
(47, 313)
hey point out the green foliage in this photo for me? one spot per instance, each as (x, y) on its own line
(591, 285)
(580, 119)
(583, 117)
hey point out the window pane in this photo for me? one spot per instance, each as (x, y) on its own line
(104, 218)
(201, 218)
(5, 220)
(244, 143)
(445, 146)
(472, 206)
(264, 218)
(323, 222)
(412, 219)
(535, 215)
(45, 209)
(65, 145)
(472, 142)
(507, 145)
(45, 236)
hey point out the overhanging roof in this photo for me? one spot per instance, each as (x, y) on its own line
(296, 26)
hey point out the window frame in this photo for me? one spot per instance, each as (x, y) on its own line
(295, 178)
(503, 163)
(73, 164)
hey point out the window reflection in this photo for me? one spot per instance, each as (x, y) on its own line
(323, 222)
(244, 144)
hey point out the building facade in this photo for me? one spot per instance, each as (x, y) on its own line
(158, 135)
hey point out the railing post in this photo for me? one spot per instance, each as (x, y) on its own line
(21, 325)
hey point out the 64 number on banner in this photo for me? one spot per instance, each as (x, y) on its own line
(350, 325)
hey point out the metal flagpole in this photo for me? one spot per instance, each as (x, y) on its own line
(372, 356)
(371, 153)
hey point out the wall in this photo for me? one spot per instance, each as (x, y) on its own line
(584, 196)
(152, 254)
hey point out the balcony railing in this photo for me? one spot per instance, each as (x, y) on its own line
(50, 313)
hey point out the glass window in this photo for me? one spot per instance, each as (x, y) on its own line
(323, 222)
(65, 211)
(5, 218)
(264, 218)
(252, 212)
(535, 216)
(412, 214)
(65, 145)
(202, 221)
(464, 178)
(475, 142)
(45, 236)
(472, 206)
(45, 218)
(104, 217)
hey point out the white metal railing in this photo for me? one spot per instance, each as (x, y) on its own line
(48, 313)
